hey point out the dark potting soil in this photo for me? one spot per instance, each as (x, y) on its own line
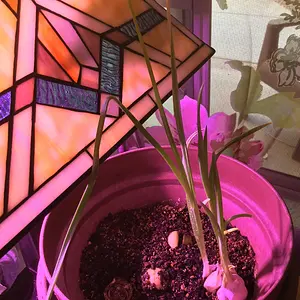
(126, 245)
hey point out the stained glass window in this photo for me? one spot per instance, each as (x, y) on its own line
(59, 60)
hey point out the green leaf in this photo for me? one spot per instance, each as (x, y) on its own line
(223, 4)
(283, 109)
(248, 91)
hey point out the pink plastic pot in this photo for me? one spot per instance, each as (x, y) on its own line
(141, 177)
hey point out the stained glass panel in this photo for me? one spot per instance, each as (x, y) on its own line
(3, 156)
(153, 53)
(59, 135)
(67, 32)
(26, 41)
(90, 78)
(13, 4)
(7, 33)
(48, 66)
(157, 39)
(133, 89)
(57, 48)
(20, 159)
(114, 14)
(91, 40)
(24, 94)
(53, 84)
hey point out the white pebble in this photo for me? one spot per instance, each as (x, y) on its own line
(154, 278)
(173, 239)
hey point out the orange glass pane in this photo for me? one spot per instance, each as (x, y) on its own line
(175, 22)
(184, 70)
(122, 126)
(91, 40)
(157, 38)
(20, 160)
(59, 135)
(47, 66)
(3, 154)
(71, 38)
(136, 80)
(114, 14)
(57, 48)
(90, 78)
(113, 108)
(24, 94)
(7, 33)
(26, 43)
(13, 4)
(72, 14)
(153, 54)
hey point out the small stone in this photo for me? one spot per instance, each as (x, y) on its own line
(154, 278)
(173, 239)
(187, 240)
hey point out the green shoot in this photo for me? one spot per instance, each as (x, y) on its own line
(236, 217)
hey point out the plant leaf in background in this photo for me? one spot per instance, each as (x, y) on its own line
(223, 4)
(282, 108)
(248, 91)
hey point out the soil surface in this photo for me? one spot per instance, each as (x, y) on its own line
(126, 245)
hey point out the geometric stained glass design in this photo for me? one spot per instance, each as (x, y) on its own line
(59, 60)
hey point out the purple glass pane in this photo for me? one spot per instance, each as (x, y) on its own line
(5, 101)
(59, 95)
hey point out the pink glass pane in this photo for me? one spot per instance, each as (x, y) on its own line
(11, 226)
(46, 65)
(117, 36)
(91, 40)
(90, 78)
(133, 88)
(74, 15)
(26, 44)
(71, 38)
(7, 39)
(20, 160)
(24, 93)
(3, 154)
